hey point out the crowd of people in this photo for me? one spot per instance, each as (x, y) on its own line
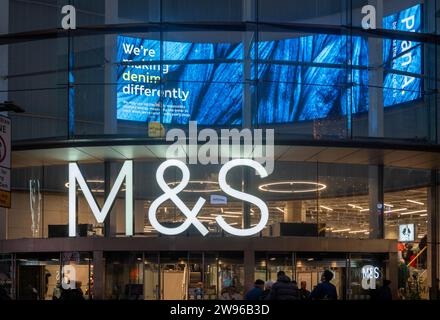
(286, 289)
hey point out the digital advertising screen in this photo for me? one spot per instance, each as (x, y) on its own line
(404, 56)
(209, 93)
(314, 85)
(300, 79)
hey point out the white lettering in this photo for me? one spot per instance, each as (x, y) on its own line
(369, 21)
(76, 176)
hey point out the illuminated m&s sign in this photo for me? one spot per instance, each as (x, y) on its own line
(126, 173)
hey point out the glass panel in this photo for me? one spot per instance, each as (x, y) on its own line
(367, 275)
(38, 276)
(78, 276)
(174, 275)
(231, 276)
(124, 274)
(7, 279)
(151, 277)
(406, 220)
(311, 266)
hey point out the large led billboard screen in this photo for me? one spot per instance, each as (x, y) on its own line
(302, 78)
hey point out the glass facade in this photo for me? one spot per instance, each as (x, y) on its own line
(354, 188)
(299, 69)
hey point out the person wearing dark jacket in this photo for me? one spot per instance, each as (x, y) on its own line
(384, 292)
(283, 289)
(4, 294)
(256, 292)
(304, 294)
(267, 287)
(325, 290)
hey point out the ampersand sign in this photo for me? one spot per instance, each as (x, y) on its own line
(171, 194)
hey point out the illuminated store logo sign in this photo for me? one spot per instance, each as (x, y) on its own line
(369, 276)
(100, 214)
(126, 173)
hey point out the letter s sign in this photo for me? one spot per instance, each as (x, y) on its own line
(243, 196)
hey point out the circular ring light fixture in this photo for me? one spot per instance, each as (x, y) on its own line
(309, 186)
(97, 183)
(213, 186)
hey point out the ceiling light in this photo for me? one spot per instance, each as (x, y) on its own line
(279, 209)
(227, 215)
(388, 205)
(326, 208)
(416, 202)
(411, 212)
(214, 186)
(358, 231)
(317, 187)
(396, 210)
(354, 206)
(341, 230)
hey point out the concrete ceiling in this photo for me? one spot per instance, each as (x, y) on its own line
(343, 155)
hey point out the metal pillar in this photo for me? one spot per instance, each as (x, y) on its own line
(375, 77)
(433, 236)
(375, 191)
(98, 275)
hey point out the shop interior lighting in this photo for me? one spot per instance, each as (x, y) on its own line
(214, 186)
(416, 202)
(355, 206)
(412, 212)
(358, 231)
(396, 210)
(268, 187)
(341, 230)
(279, 209)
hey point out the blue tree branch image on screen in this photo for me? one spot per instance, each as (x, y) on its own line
(148, 90)
(300, 79)
(404, 56)
(314, 86)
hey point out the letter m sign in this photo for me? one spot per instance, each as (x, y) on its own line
(100, 214)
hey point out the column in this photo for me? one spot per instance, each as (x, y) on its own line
(110, 223)
(294, 211)
(430, 58)
(392, 273)
(246, 206)
(433, 236)
(248, 38)
(4, 27)
(375, 77)
(98, 275)
(110, 70)
(375, 193)
(3, 224)
(249, 269)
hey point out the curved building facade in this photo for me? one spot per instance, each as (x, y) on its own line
(127, 127)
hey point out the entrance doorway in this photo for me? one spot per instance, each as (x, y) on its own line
(31, 282)
(173, 276)
(310, 267)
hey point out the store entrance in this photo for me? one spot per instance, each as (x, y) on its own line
(310, 267)
(31, 282)
(173, 277)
